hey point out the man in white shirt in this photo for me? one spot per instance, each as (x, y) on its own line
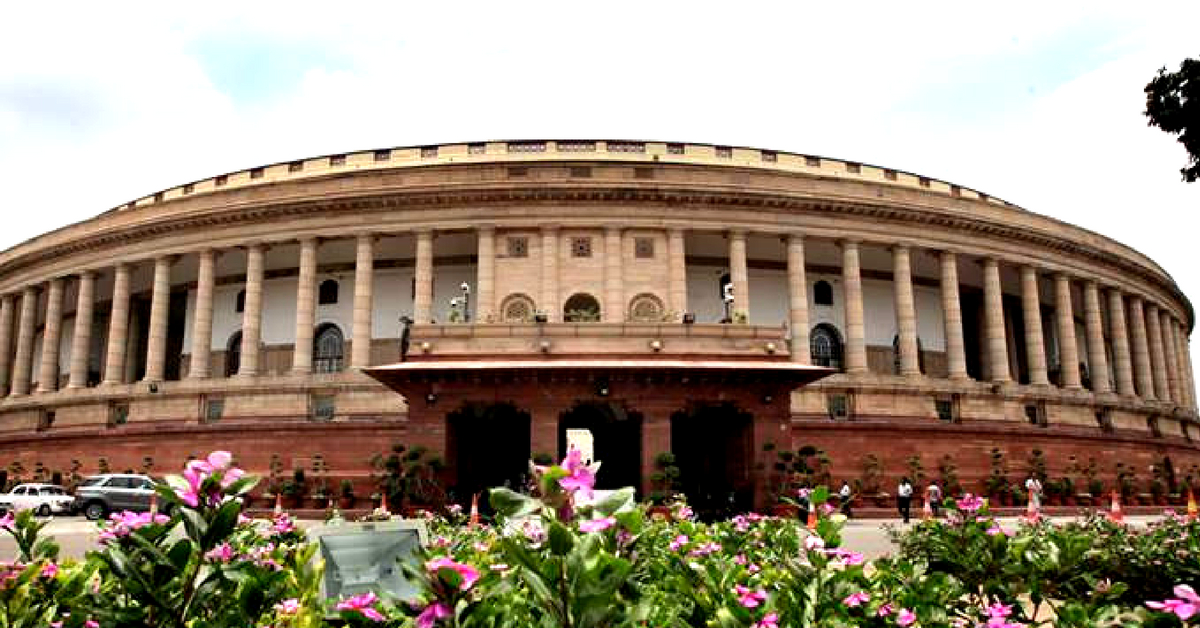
(904, 498)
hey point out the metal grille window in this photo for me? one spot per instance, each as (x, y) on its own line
(518, 247)
(517, 308)
(839, 406)
(581, 247)
(825, 343)
(945, 410)
(214, 409)
(643, 248)
(328, 350)
(323, 408)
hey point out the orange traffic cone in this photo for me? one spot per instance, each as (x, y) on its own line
(383, 504)
(812, 519)
(153, 504)
(1192, 510)
(926, 510)
(474, 510)
(1116, 513)
(278, 504)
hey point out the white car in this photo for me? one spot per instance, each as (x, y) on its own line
(44, 499)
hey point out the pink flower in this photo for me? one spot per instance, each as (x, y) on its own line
(906, 617)
(856, 599)
(885, 610)
(196, 472)
(1187, 604)
(749, 598)
(704, 549)
(468, 573)
(222, 553)
(970, 503)
(596, 525)
(290, 606)
(363, 604)
(6, 522)
(91, 623)
(122, 524)
(996, 529)
(846, 556)
(49, 570)
(741, 524)
(432, 614)
(998, 611)
(533, 531)
(282, 524)
(581, 478)
(679, 542)
(740, 559)
(770, 620)
(814, 543)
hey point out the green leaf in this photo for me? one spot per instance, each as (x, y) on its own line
(510, 504)
(617, 501)
(561, 539)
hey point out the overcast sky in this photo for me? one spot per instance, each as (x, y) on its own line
(1037, 103)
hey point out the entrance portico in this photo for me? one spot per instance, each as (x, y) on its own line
(634, 408)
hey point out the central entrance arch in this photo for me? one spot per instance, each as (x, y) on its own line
(488, 446)
(713, 446)
(616, 438)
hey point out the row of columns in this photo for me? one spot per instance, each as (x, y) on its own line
(1151, 355)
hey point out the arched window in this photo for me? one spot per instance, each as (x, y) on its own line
(239, 302)
(825, 343)
(327, 349)
(327, 293)
(646, 308)
(233, 354)
(822, 293)
(896, 355)
(581, 308)
(517, 308)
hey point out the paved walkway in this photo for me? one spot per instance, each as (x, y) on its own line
(77, 535)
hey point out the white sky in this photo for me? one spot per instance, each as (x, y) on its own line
(1038, 103)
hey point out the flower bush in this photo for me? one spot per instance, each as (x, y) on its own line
(567, 557)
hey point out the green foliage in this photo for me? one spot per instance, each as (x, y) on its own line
(1173, 105)
(409, 475)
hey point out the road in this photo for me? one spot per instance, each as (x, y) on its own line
(76, 535)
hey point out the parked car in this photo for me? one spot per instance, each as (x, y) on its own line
(44, 499)
(99, 495)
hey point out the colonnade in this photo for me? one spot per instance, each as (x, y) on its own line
(1149, 345)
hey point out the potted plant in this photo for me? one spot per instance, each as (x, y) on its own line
(294, 489)
(1066, 488)
(410, 477)
(664, 482)
(347, 495)
(871, 480)
(949, 474)
(320, 473)
(996, 485)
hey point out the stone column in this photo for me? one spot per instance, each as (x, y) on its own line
(364, 284)
(993, 305)
(485, 278)
(81, 340)
(1141, 349)
(956, 357)
(306, 306)
(51, 335)
(798, 300)
(118, 328)
(23, 362)
(423, 302)
(156, 345)
(1185, 359)
(1094, 321)
(856, 342)
(549, 302)
(252, 313)
(6, 329)
(1035, 344)
(1120, 339)
(614, 302)
(677, 271)
(1185, 394)
(1158, 356)
(202, 322)
(738, 274)
(906, 312)
(1068, 352)
(1172, 360)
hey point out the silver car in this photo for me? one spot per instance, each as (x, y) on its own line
(99, 495)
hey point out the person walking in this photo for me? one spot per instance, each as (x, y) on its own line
(844, 495)
(904, 498)
(1033, 486)
(933, 493)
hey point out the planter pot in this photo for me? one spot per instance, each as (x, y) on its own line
(293, 501)
(660, 511)
(319, 503)
(882, 500)
(346, 503)
(1084, 499)
(785, 511)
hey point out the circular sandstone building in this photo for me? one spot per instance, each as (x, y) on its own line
(766, 318)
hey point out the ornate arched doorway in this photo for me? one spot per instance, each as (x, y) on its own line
(581, 308)
(487, 446)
